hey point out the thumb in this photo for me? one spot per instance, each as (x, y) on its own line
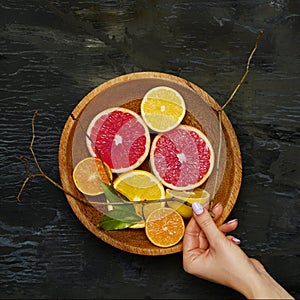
(206, 223)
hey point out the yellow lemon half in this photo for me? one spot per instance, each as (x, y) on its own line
(162, 108)
(139, 185)
(196, 195)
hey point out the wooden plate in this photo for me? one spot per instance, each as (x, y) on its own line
(128, 90)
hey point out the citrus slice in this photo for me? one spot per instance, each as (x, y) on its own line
(183, 158)
(139, 185)
(164, 227)
(120, 137)
(88, 173)
(162, 108)
(196, 195)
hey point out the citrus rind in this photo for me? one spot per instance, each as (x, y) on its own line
(196, 195)
(115, 155)
(169, 167)
(164, 227)
(139, 185)
(86, 176)
(162, 108)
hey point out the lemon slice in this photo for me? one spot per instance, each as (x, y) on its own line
(162, 108)
(139, 185)
(196, 195)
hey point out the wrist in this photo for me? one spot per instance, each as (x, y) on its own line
(257, 286)
(250, 283)
(260, 285)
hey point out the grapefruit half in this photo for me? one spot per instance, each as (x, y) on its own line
(120, 138)
(183, 158)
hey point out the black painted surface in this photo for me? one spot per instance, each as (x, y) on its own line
(52, 53)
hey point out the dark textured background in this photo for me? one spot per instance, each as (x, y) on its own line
(52, 53)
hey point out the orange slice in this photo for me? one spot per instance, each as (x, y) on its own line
(165, 227)
(162, 108)
(88, 173)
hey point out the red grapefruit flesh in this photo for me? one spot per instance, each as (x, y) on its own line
(182, 158)
(120, 138)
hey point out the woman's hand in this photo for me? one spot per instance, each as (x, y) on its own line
(209, 254)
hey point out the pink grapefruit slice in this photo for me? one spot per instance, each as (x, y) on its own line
(182, 158)
(120, 138)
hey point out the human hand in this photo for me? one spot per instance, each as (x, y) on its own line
(211, 254)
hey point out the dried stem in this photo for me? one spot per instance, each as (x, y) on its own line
(223, 108)
(44, 175)
(41, 172)
(142, 202)
(247, 70)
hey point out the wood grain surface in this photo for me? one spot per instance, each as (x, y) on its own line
(53, 53)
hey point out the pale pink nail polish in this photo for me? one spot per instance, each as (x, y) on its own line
(217, 205)
(197, 208)
(231, 221)
(236, 240)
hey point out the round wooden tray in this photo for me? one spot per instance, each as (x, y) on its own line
(127, 91)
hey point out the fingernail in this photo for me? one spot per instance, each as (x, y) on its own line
(197, 208)
(217, 205)
(236, 240)
(231, 221)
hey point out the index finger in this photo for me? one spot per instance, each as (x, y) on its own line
(191, 236)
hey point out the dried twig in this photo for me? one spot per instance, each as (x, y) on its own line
(220, 115)
(44, 175)
(41, 172)
(247, 70)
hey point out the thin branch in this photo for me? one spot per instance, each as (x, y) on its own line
(42, 173)
(247, 70)
(220, 116)
(143, 202)
(211, 202)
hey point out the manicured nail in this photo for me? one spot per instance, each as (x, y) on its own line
(231, 221)
(197, 208)
(217, 205)
(236, 240)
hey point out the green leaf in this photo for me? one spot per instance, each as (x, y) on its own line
(108, 223)
(122, 216)
(110, 193)
(118, 219)
(113, 196)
